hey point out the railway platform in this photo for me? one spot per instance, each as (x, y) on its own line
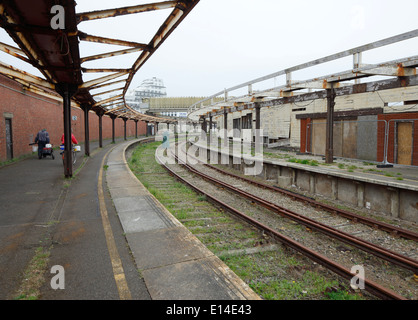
(173, 262)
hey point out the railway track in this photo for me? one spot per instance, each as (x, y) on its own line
(394, 230)
(373, 287)
(388, 255)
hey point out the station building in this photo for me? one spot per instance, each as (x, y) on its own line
(365, 125)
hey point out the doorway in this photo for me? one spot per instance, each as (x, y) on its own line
(9, 139)
(404, 142)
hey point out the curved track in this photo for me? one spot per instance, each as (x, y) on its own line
(388, 255)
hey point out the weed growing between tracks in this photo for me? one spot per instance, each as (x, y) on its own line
(270, 269)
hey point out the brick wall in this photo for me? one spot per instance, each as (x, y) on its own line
(30, 113)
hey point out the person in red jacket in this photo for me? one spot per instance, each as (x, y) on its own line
(73, 139)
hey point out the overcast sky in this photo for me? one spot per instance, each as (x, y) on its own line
(223, 43)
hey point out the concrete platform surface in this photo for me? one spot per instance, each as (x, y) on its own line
(48, 221)
(174, 264)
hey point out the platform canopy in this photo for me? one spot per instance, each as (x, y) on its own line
(48, 35)
(360, 78)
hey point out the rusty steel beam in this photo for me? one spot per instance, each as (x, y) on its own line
(25, 76)
(400, 67)
(169, 25)
(110, 54)
(114, 109)
(370, 46)
(146, 116)
(398, 71)
(140, 116)
(101, 102)
(15, 52)
(89, 38)
(98, 70)
(106, 84)
(101, 80)
(116, 102)
(353, 74)
(119, 103)
(21, 40)
(342, 91)
(52, 95)
(109, 13)
(109, 91)
(42, 92)
(124, 114)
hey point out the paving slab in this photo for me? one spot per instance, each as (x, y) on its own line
(138, 214)
(193, 280)
(161, 247)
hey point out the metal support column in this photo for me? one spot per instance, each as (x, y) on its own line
(329, 148)
(205, 125)
(146, 130)
(86, 108)
(100, 115)
(202, 122)
(136, 129)
(113, 117)
(67, 91)
(257, 127)
(210, 128)
(124, 128)
(225, 127)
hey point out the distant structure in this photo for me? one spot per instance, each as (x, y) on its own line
(176, 107)
(151, 98)
(172, 106)
(138, 98)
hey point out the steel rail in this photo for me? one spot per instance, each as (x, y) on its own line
(396, 231)
(369, 247)
(370, 286)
